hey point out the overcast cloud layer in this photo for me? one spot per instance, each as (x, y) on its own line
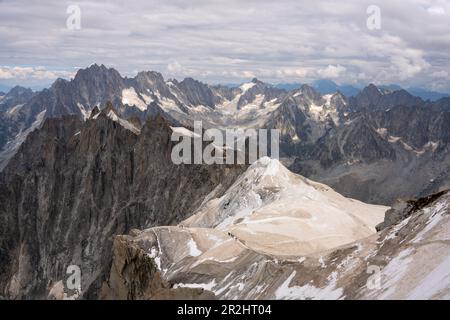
(230, 41)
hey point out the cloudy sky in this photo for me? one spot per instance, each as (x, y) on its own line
(230, 41)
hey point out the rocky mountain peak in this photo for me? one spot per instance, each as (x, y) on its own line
(372, 97)
(261, 84)
(95, 68)
(19, 90)
(96, 75)
(310, 93)
(58, 84)
(149, 77)
(257, 81)
(95, 111)
(15, 96)
(325, 86)
(197, 93)
(109, 107)
(371, 91)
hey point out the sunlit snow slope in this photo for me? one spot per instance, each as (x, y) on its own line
(407, 260)
(232, 244)
(272, 210)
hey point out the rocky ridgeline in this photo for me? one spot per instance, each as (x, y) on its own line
(73, 186)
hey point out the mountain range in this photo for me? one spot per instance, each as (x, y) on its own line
(358, 141)
(326, 86)
(87, 161)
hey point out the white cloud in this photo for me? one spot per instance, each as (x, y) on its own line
(331, 72)
(435, 10)
(174, 67)
(408, 67)
(5, 74)
(231, 41)
(34, 73)
(440, 74)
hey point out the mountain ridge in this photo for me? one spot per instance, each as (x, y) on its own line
(77, 184)
(304, 116)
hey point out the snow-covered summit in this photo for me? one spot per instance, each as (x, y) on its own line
(268, 204)
(269, 214)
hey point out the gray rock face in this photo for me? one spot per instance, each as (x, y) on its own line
(380, 156)
(416, 126)
(403, 209)
(356, 141)
(374, 98)
(225, 92)
(11, 121)
(260, 88)
(93, 86)
(305, 116)
(135, 276)
(197, 93)
(292, 121)
(17, 95)
(72, 186)
(310, 93)
(151, 80)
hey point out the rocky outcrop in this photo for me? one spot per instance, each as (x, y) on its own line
(403, 209)
(135, 275)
